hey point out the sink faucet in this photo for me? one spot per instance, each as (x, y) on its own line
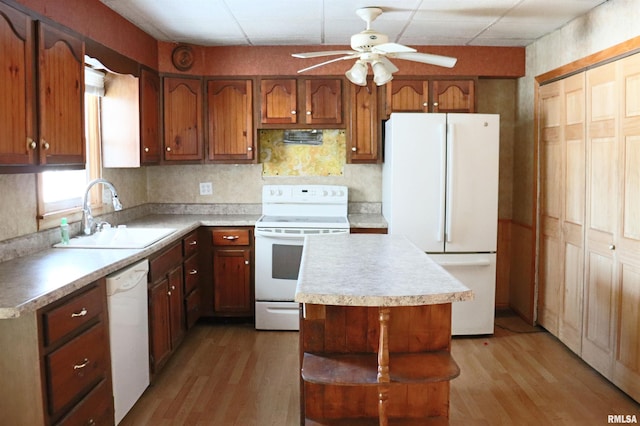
(88, 222)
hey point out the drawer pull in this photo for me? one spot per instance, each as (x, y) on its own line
(85, 362)
(230, 237)
(193, 243)
(91, 422)
(193, 272)
(82, 313)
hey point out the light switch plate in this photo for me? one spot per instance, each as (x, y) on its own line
(206, 188)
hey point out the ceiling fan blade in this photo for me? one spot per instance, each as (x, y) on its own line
(392, 48)
(426, 58)
(390, 66)
(322, 53)
(328, 62)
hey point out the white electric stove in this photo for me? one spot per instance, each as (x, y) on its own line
(289, 212)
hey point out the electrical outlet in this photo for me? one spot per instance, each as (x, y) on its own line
(206, 188)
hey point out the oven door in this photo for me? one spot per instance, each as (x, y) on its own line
(277, 263)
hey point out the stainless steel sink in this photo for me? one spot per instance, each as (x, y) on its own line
(119, 238)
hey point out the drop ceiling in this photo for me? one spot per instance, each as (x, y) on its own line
(332, 22)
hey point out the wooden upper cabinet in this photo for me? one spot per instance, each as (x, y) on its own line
(149, 117)
(17, 117)
(407, 96)
(279, 101)
(320, 101)
(230, 121)
(430, 96)
(183, 131)
(453, 96)
(52, 131)
(61, 97)
(364, 127)
(323, 101)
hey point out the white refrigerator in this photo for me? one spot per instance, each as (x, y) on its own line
(440, 189)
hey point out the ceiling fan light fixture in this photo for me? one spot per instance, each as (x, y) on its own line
(357, 74)
(381, 75)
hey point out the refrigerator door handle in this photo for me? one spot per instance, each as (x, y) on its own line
(450, 179)
(442, 195)
(481, 262)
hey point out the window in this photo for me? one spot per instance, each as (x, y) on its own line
(60, 193)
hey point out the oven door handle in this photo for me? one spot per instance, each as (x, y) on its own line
(275, 236)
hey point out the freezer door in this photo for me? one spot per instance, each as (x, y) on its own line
(478, 272)
(413, 178)
(472, 182)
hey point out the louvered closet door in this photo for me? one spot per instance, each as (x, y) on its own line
(627, 358)
(601, 218)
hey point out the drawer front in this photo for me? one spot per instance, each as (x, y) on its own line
(193, 308)
(95, 409)
(159, 266)
(191, 274)
(231, 237)
(190, 244)
(76, 367)
(76, 312)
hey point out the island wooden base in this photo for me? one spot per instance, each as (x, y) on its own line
(375, 366)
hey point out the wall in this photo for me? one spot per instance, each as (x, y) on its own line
(607, 25)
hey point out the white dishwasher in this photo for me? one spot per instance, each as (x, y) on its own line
(129, 335)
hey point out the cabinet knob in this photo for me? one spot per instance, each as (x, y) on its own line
(168, 149)
(293, 112)
(168, 293)
(612, 246)
(193, 272)
(246, 262)
(354, 149)
(44, 144)
(426, 104)
(249, 148)
(173, 287)
(435, 104)
(31, 144)
(146, 149)
(82, 313)
(308, 112)
(193, 243)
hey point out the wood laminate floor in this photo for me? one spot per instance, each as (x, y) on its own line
(230, 374)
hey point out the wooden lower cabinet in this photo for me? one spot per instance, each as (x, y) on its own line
(56, 363)
(232, 263)
(192, 273)
(166, 305)
(340, 355)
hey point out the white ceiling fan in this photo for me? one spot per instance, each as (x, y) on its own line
(372, 47)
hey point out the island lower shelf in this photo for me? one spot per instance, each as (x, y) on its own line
(375, 365)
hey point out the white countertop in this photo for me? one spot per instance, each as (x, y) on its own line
(372, 270)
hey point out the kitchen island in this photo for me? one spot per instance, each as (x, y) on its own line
(375, 332)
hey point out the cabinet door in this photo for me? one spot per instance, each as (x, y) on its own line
(364, 126)
(183, 133)
(61, 97)
(232, 281)
(159, 331)
(323, 101)
(230, 120)
(453, 96)
(176, 306)
(149, 117)
(17, 131)
(407, 96)
(279, 99)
